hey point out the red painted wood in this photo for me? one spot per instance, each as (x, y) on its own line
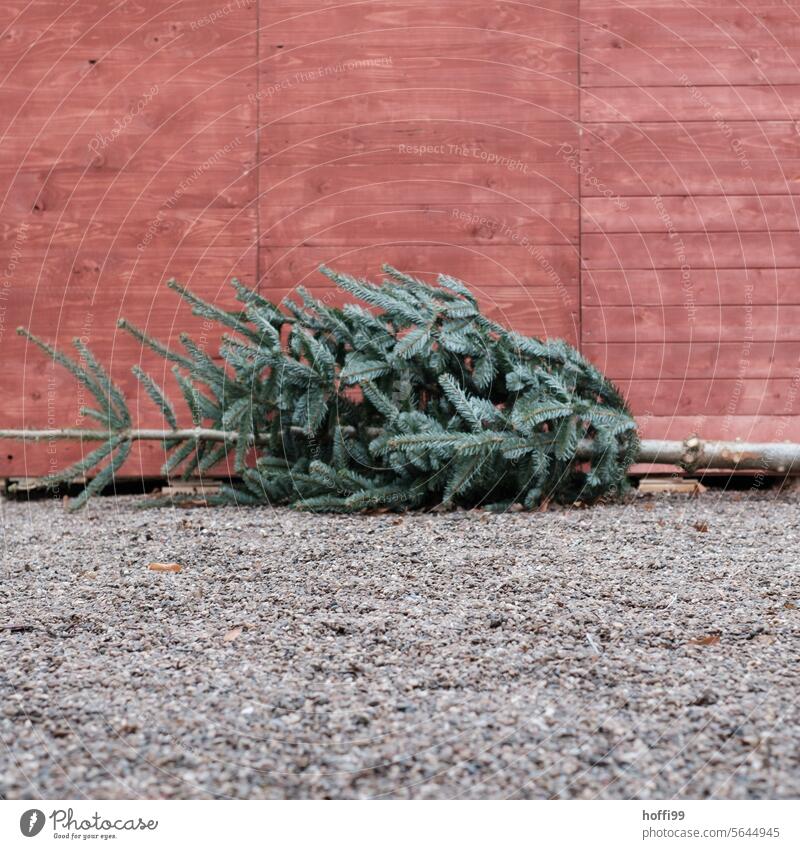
(639, 323)
(691, 250)
(437, 137)
(762, 428)
(431, 98)
(731, 213)
(522, 147)
(440, 147)
(442, 183)
(141, 28)
(456, 224)
(648, 24)
(665, 176)
(554, 22)
(674, 63)
(691, 283)
(699, 286)
(67, 292)
(691, 102)
(435, 46)
(127, 156)
(695, 360)
(682, 397)
(744, 140)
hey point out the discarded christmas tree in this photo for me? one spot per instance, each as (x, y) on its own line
(419, 401)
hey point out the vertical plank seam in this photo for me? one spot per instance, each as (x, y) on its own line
(257, 200)
(578, 50)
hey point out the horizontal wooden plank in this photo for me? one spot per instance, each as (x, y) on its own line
(81, 195)
(456, 184)
(623, 361)
(538, 22)
(482, 268)
(308, 74)
(524, 148)
(679, 23)
(127, 32)
(312, 7)
(428, 98)
(55, 293)
(747, 428)
(691, 250)
(433, 44)
(710, 397)
(119, 225)
(693, 286)
(743, 324)
(174, 117)
(467, 224)
(665, 177)
(593, 7)
(144, 88)
(733, 213)
(179, 142)
(742, 142)
(681, 64)
(691, 102)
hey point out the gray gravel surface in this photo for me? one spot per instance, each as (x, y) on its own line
(624, 651)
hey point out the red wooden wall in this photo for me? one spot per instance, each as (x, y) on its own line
(619, 174)
(690, 243)
(425, 135)
(127, 155)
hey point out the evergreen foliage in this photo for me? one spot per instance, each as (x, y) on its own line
(418, 401)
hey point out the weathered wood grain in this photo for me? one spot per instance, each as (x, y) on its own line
(429, 98)
(691, 250)
(741, 323)
(680, 24)
(523, 148)
(433, 44)
(463, 224)
(689, 101)
(711, 396)
(695, 360)
(703, 213)
(547, 23)
(455, 184)
(127, 156)
(731, 141)
(778, 428)
(676, 63)
(65, 293)
(695, 286)
(664, 176)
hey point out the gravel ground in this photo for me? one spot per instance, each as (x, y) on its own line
(643, 650)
